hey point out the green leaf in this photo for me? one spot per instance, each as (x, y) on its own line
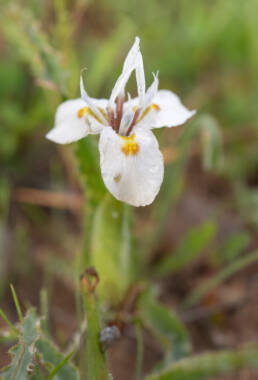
(23, 352)
(234, 246)
(37, 374)
(210, 364)
(17, 304)
(164, 323)
(8, 322)
(32, 345)
(214, 281)
(111, 249)
(190, 248)
(52, 358)
(59, 366)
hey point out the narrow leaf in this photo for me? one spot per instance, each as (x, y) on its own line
(190, 248)
(111, 249)
(55, 361)
(59, 366)
(164, 323)
(233, 246)
(23, 352)
(16, 302)
(210, 364)
(218, 278)
(8, 322)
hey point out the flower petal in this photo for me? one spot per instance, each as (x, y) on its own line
(68, 126)
(172, 112)
(132, 167)
(91, 102)
(128, 67)
(151, 92)
(140, 79)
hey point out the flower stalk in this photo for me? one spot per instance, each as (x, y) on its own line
(96, 359)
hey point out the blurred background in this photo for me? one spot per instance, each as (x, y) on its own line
(206, 215)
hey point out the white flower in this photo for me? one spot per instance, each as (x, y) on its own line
(131, 163)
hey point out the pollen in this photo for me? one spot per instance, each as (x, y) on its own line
(130, 146)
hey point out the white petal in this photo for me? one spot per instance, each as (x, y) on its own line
(151, 92)
(94, 126)
(68, 126)
(172, 112)
(133, 178)
(128, 67)
(140, 79)
(91, 102)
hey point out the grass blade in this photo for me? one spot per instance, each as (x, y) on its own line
(17, 304)
(60, 365)
(210, 364)
(216, 280)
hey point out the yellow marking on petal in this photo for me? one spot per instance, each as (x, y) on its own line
(130, 147)
(87, 110)
(103, 113)
(148, 109)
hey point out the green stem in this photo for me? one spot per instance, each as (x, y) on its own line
(96, 359)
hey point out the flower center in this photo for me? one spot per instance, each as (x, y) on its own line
(114, 119)
(130, 146)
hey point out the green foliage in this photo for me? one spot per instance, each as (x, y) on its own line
(17, 304)
(54, 361)
(34, 351)
(32, 45)
(23, 353)
(166, 326)
(111, 252)
(233, 246)
(190, 248)
(207, 365)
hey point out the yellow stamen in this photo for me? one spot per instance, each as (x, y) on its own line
(87, 110)
(130, 147)
(148, 109)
